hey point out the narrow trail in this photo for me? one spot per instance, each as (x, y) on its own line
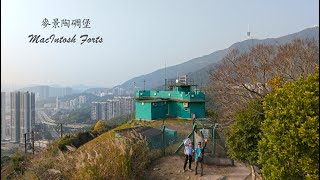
(171, 168)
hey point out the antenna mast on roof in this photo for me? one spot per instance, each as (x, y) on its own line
(248, 32)
(165, 75)
(165, 70)
(134, 88)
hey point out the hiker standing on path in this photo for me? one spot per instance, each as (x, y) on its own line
(188, 151)
(199, 156)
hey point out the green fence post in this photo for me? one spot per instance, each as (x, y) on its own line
(182, 144)
(214, 138)
(163, 139)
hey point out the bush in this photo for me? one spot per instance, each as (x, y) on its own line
(82, 138)
(99, 127)
(62, 142)
(243, 134)
(14, 166)
(289, 146)
(18, 159)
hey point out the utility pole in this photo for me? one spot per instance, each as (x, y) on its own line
(32, 138)
(25, 142)
(32, 141)
(144, 85)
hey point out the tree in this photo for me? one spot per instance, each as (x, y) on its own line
(243, 134)
(241, 78)
(289, 145)
(296, 59)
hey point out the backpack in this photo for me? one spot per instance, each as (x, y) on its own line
(185, 150)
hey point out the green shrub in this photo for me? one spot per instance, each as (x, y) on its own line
(243, 135)
(62, 142)
(81, 138)
(18, 162)
(289, 146)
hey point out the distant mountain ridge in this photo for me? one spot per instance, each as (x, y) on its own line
(197, 68)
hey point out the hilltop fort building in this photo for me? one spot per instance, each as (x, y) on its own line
(181, 99)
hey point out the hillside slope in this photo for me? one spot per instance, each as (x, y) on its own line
(200, 76)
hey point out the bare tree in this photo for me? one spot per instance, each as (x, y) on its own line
(239, 78)
(296, 59)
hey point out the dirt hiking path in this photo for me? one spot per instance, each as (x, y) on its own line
(171, 168)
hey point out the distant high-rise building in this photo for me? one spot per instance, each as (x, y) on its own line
(98, 111)
(82, 99)
(74, 103)
(15, 116)
(61, 92)
(127, 104)
(22, 115)
(41, 92)
(103, 111)
(57, 103)
(113, 108)
(3, 115)
(94, 111)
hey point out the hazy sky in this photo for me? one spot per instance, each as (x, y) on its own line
(138, 36)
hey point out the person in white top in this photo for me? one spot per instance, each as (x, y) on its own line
(188, 151)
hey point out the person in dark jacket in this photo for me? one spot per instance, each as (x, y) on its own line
(199, 152)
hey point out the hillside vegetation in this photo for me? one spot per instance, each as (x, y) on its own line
(267, 103)
(103, 157)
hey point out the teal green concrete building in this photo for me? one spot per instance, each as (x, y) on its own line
(182, 101)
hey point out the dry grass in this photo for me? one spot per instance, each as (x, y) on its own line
(104, 157)
(114, 158)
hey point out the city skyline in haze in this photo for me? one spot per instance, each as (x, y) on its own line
(138, 37)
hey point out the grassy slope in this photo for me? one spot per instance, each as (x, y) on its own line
(182, 126)
(66, 162)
